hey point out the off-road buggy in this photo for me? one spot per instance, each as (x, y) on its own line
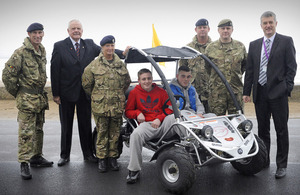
(216, 139)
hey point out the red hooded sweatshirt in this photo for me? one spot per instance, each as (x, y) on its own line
(149, 103)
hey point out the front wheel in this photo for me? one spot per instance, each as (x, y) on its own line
(254, 164)
(176, 170)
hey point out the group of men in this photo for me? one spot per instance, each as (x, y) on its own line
(270, 68)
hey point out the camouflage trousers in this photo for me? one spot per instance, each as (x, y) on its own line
(31, 135)
(222, 103)
(108, 132)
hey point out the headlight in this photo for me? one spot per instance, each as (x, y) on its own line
(207, 131)
(246, 126)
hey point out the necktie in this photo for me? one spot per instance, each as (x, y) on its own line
(77, 49)
(263, 64)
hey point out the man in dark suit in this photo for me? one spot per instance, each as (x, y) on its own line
(271, 68)
(69, 58)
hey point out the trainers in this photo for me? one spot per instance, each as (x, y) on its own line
(25, 171)
(113, 163)
(132, 177)
(39, 161)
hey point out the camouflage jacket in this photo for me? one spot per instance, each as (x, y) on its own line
(231, 60)
(197, 66)
(106, 83)
(24, 77)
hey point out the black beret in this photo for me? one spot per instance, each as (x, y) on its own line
(107, 39)
(35, 26)
(202, 22)
(225, 22)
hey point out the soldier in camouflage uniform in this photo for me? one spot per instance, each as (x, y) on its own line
(24, 77)
(197, 65)
(230, 57)
(106, 79)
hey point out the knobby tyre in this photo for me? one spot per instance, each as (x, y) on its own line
(176, 170)
(255, 164)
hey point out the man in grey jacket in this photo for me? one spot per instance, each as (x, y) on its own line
(181, 85)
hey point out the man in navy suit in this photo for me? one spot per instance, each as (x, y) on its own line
(69, 58)
(271, 68)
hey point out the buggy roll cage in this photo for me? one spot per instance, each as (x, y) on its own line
(168, 54)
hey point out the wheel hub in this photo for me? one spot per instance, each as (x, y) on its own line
(170, 171)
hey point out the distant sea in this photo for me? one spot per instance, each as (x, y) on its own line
(168, 70)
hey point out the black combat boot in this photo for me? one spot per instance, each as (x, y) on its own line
(102, 165)
(39, 161)
(114, 166)
(25, 171)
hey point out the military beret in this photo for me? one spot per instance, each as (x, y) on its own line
(202, 22)
(225, 22)
(107, 39)
(35, 26)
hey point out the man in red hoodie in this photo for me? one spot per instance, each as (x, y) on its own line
(145, 104)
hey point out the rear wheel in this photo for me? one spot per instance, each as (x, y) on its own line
(255, 164)
(176, 170)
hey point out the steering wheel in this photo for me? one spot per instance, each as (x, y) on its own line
(177, 97)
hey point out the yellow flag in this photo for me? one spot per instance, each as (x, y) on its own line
(156, 42)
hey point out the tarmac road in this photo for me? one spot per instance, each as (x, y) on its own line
(79, 177)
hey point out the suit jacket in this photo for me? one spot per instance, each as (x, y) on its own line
(281, 68)
(67, 69)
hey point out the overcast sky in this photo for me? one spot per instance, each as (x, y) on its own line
(131, 21)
